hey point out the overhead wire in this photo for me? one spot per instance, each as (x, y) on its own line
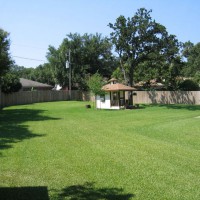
(33, 59)
(28, 46)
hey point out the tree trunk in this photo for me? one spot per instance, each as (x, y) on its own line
(131, 75)
(124, 72)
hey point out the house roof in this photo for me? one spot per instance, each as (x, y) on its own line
(29, 83)
(117, 87)
(153, 84)
(112, 79)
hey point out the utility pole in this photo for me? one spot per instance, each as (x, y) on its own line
(68, 65)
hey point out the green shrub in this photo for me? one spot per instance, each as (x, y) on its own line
(188, 85)
(10, 83)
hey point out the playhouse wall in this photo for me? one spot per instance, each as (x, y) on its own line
(100, 104)
(103, 104)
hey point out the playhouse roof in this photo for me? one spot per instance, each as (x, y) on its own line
(117, 87)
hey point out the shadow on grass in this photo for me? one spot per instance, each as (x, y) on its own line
(141, 106)
(88, 191)
(24, 193)
(12, 129)
(178, 106)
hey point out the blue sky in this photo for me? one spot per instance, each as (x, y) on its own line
(35, 24)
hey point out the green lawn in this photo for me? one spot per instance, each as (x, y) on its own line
(62, 150)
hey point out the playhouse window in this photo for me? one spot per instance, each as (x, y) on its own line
(102, 98)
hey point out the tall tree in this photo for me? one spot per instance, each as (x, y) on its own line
(140, 41)
(57, 62)
(5, 59)
(192, 68)
(89, 54)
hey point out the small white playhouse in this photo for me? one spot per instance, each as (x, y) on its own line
(117, 96)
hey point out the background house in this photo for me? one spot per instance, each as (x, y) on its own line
(29, 85)
(150, 85)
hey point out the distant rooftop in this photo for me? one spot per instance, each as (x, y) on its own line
(29, 83)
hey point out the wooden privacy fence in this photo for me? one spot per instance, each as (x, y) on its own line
(146, 97)
(28, 97)
(167, 97)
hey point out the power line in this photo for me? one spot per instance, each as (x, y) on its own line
(28, 58)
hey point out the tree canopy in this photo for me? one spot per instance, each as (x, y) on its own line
(5, 59)
(192, 53)
(144, 47)
(89, 54)
(9, 82)
(41, 73)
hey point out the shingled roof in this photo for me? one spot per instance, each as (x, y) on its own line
(117, 87)
(29, 84)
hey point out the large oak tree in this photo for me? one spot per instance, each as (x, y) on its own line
(142, 43)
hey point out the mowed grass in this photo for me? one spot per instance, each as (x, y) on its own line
(70, 152)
